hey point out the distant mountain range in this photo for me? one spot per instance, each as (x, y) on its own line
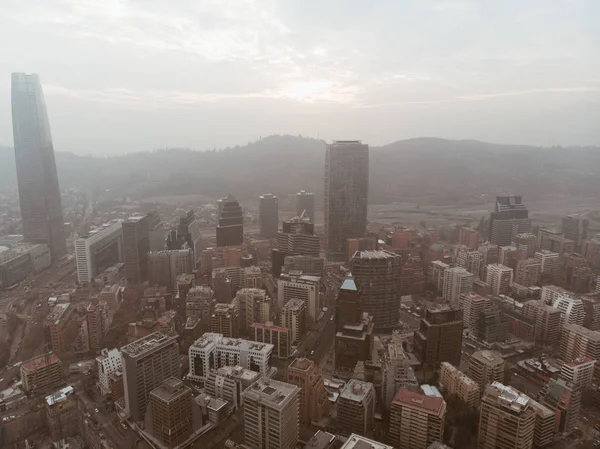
(427, 170)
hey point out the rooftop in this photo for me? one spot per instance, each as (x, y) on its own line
(507, 396)
(359, 442)
(211, 339)
(320, 440)
(172, 388)
(592, 335)
(488, 357)
(237, 372)
(581, 361)
(147, 343)
(57, 312)
(272, 392)
(40, 362)
(374, 254)
(430, 404)
(356, 390)
(302, 364)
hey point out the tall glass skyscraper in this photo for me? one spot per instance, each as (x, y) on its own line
(39, 194)
(346, 192)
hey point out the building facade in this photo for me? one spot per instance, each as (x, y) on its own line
(268, 215)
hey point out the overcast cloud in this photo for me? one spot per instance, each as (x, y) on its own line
(130, 75)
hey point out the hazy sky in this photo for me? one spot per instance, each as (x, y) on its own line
(129, 75)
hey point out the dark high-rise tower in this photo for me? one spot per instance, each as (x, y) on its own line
(39, 194)
(268, 215)
(136, 244)
(346, 192)
(510, 218)
(230, 230)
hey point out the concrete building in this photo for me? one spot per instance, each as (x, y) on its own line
(356, 441)
(297, 237)
(436, 274)
(590, 250)
(305, 203)
(396, 372)
(313, 397)
(579, 372)
(169, 418)
(224, 320)
(547, 321)
(41, 374)
(472, 304)
(507, 420)
(200, 303)
(529, 272)
(468, 237)
(492, 326)
(228, 383)
(230, 230)
(486, 367)
(549, 262)
(578, 342)
(508, 255)
(252, 277)
(156, 232)
(571, 309)
(19, 262)
(356, 408)
(439, 338)
(545, 424)
(297, 285)
(147, 362)
(346, 194)
(278, 336)
(271, 415)
(510, 218)
(489, 253)
(99, 249)
(452, 381)
(213, 351)
(412, 276)
(308, 265)
(61, 327)
(37, 179)
(564, 398)
(416, 420)
(165, 266)
(469, 259)
(378, 275)
(136, 245)
(97, 317)
(109, 362)
(456, 282)
(575, 227)
(293, 316)
(500, 278)
(526, 244)
(554, 241)
(257, 306)
(268, 215)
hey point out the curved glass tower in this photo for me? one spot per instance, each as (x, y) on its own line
(39, 194)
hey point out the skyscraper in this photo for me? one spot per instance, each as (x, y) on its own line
(510, 218)
(297, 237)
(439, 338)
(37, 179)
(346, 192)
(268, 215)
(230, 230)
(305, 202)
(136, 244)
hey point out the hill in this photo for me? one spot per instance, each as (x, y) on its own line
(430, 170)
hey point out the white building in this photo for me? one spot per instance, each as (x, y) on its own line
(550, 293)
(293, 316)
(548, 260)
(271, 415)
(571, 309)
(296, 285)
(109, 361)
(228, 382)
(457, 280)
(436, 274)
(579, 372)
(108, 237)
(472, 304)
(500, 279)
(212, 351)
(469, 259)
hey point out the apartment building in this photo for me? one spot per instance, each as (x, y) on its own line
(486, 367)
(41, 374)
(547, 321)
(228, 383)
(108, 362)
(500, 278)
(306, 375)
(293, 316)
(452, 381)
(356, 408)
(296, 285)
(456, 282)
(579, 372)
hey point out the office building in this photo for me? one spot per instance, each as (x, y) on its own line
(147, 362)
(297, 285)
(492, 326)
(297, 238)
(575, 227)
(500, 278)
(555, 242)
(108, 362)
(186, 236)
(224, 320)
(412, 276)
(472, 304)
(529, 272)
(99, 249)
(547, 321)
(200, 303)
(96, 315)
(313, 397)
(565, 399)
(61, 328)
(268, 215)
(526, 244)
(469, 259)
(251, 277)
(549, 262)
(212, 351)
(293, 316)
(308, 265)
(37, 179)
(230, 230)
(510, 218)
(579, 372)
(346, 194)
(507, 420)
(378, 274)
(41, 374)
(275, 403)
(228, 383)
(169, 417)
(577, 342)
(156, 232)
(468, 237)
(416, 420)
(486, 367)
(278, 336)
(396, 372)
(489, 253)
(456, 282)
(356, 441)
(356, 408)
(436, 275)
(257, 305)
(439, 338)
(454, 382)
(571, 309)
(22, 260)
(165, 266)
(305, 204)
(136, 245)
